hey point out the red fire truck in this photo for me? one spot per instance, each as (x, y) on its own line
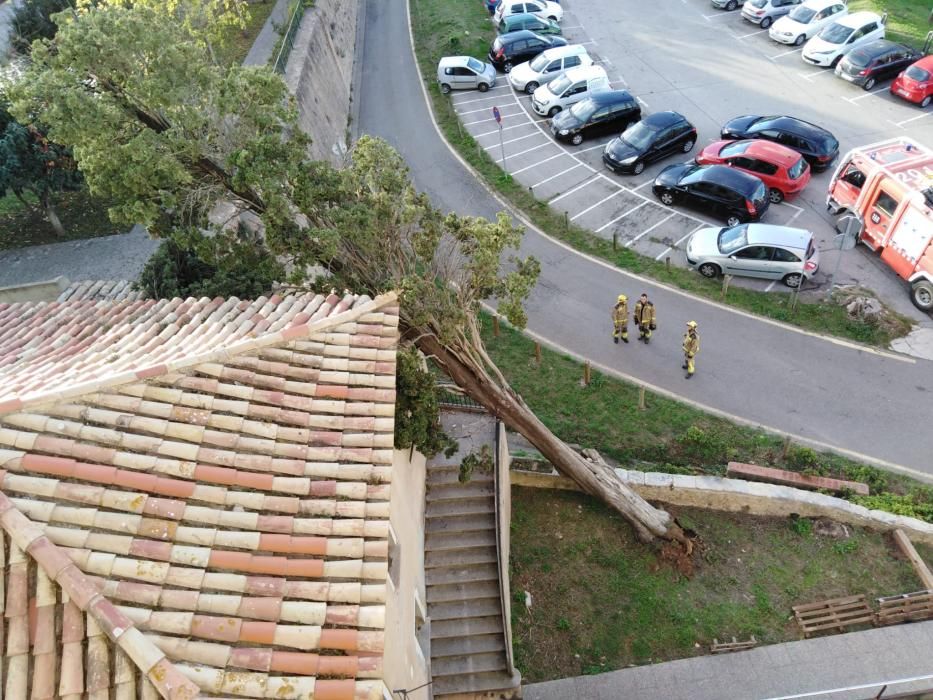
(887, 188)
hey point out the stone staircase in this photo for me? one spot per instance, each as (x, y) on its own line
(467, 636)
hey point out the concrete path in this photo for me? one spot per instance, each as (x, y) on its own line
(827, 392)
(261, 52)
(854, 666)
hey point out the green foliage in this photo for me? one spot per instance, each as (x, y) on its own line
(802, 526)
(916, 504)
(33, 20)
(417, 414)
(177, 269)
(803, 458)
(876, 479)
(481, 461)
(702, 447)
(845, 547)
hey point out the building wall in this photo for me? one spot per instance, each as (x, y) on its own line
(319, 73)
(504, 514)
(404, 664)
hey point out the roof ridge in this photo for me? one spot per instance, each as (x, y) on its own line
(58, 566)
(282, 336)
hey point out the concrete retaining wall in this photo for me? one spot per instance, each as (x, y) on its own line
(739, 496)
(35, 291)
(319, 73)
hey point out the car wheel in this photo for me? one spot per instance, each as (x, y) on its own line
(531, 87)
(925, 102)
(552, 111)
(687, 146)
(766, 22)
(710, 270)
(921, 294)
(445, 88)
(507, 67)
(576, 139)
(552, 18)
(869, 84)
(835, 62)
(733, 220)
(666, 198)
(731, 5)
(483, 87)
(776, 196)
(639, 167)
(800, 39)
(792, 280)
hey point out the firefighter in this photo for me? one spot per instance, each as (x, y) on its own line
(691, 347)
(620, 319)
(644, 317)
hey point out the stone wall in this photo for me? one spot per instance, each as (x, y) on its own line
(319, 73)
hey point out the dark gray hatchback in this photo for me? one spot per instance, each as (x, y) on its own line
(609, 111)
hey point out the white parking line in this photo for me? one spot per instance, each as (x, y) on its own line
(527, 150)
(504, 128)
(783, 53)
(745, 36)
(913, 119)
(569, 192)
(548, 179)
(593, 206)
(650, 229)
(622, 216)
(478, 99)
(535, 165)
(669, 249)
(484, 121)
(716, 16)
(591, 148)
(647, 182)
(572, 26)
(821, 71)
(492, 89)
(520, 138)
(771, 286)
(867, 94)
(487, 109)
(586, 43)
(642, 101)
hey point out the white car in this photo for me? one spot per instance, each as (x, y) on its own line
(547, 65)
(545, 9)
(568, 88)
(806, 20)
(846, 33)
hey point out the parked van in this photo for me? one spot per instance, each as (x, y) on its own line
(568, 88)
(547, 65)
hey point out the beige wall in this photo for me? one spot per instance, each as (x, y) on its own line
(504, 514)
(36, 291)
(404, 666)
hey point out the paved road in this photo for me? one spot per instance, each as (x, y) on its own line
(826, 392)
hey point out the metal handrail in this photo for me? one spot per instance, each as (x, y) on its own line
(502, 566)
(288, 39)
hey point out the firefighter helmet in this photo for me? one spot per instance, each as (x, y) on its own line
(622, 298)
(692, 325)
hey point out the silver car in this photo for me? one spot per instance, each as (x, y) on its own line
(728, 4)
(465, 73)
(755, 250)
(764, 12)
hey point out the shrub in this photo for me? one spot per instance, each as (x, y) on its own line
(701, 447)
(417, 413)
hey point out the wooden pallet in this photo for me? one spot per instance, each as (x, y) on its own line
(907, 607)
(833, 614)
(718, 647)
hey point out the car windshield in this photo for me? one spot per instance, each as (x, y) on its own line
(797, 169)
(859, 59)
(736, 148)
(917, 73)
(731, 239)
(559, 84)
(639, 136)
(802, 14)
(835, 33)
(583, 110)
(758, 3)
(476, 66)
(538, 63)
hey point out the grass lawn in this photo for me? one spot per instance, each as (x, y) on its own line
(602, 601)
(907, 19)
(82, 215)
(241, 42)
(670, 436)
(444, 27)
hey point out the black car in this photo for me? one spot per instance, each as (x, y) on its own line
(654, 137)
(735, 196)
(518, 47)
(814, 143)
(876, 61)
(602, 112)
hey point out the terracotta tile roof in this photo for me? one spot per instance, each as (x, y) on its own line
(97, 290)
(194, 497)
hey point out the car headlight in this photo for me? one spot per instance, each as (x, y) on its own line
(821, 53)
(564, 132)
(629, 161)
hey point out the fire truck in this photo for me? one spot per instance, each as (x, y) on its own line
(885, 189)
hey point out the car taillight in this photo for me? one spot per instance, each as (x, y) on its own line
(500, 53)
(824, 159)
(809, 266)
(750, 205)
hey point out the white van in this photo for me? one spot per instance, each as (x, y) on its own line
(568, 88)
(547, 65)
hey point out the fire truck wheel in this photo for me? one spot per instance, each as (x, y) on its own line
(921, 294)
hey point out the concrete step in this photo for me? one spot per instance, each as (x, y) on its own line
(459, 609)
(461, 506)
(461, 574)
(460, 557)
(469, 664)
(451, 475)
(461, 523)
(474, 683)
(466, 627)
(452, 490)
(460, 646)
(438, 541)
(462, 591)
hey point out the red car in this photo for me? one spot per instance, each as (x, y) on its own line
(784, 171)
(916, 83)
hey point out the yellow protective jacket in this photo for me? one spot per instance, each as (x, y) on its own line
(644, 313)
(620, 313)
(691, 344)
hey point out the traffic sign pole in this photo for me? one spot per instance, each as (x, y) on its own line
(498, 118)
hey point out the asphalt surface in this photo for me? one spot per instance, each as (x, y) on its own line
(823, 391)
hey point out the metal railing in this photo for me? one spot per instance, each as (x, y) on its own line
(449, 398)
(288, 38)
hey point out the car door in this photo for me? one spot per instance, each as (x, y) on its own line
(661, 145)
(621, 115)
(763, 170)
(703, 195)
(752, 261)
(896, 60)
(784, 262)
(552, 68)
(467, 77)
(597, 122)
(571, 61)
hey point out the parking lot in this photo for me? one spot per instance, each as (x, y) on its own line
(710, 65)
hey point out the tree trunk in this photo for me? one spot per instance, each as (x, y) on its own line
(53, 217)
(600, 481)
(19, 195)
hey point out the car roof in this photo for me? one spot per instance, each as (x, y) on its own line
(772, 152)
(769, 234)
(857, 19)
(610, 96)
(926, 63)
(820, 4)
(730, 177)
(448, 61)
(565, 50)
(517, 35)
(586, 72)
(662, 119)
(798, 126)
(876, 48)
(518, 17)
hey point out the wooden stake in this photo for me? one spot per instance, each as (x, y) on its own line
(641, 398)
(615, 241)
(667, 262)
(786, 448)
(586, 373)
(907, 548)
(726, 279)
(538, 353)
(566, 221)
(495, 326)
